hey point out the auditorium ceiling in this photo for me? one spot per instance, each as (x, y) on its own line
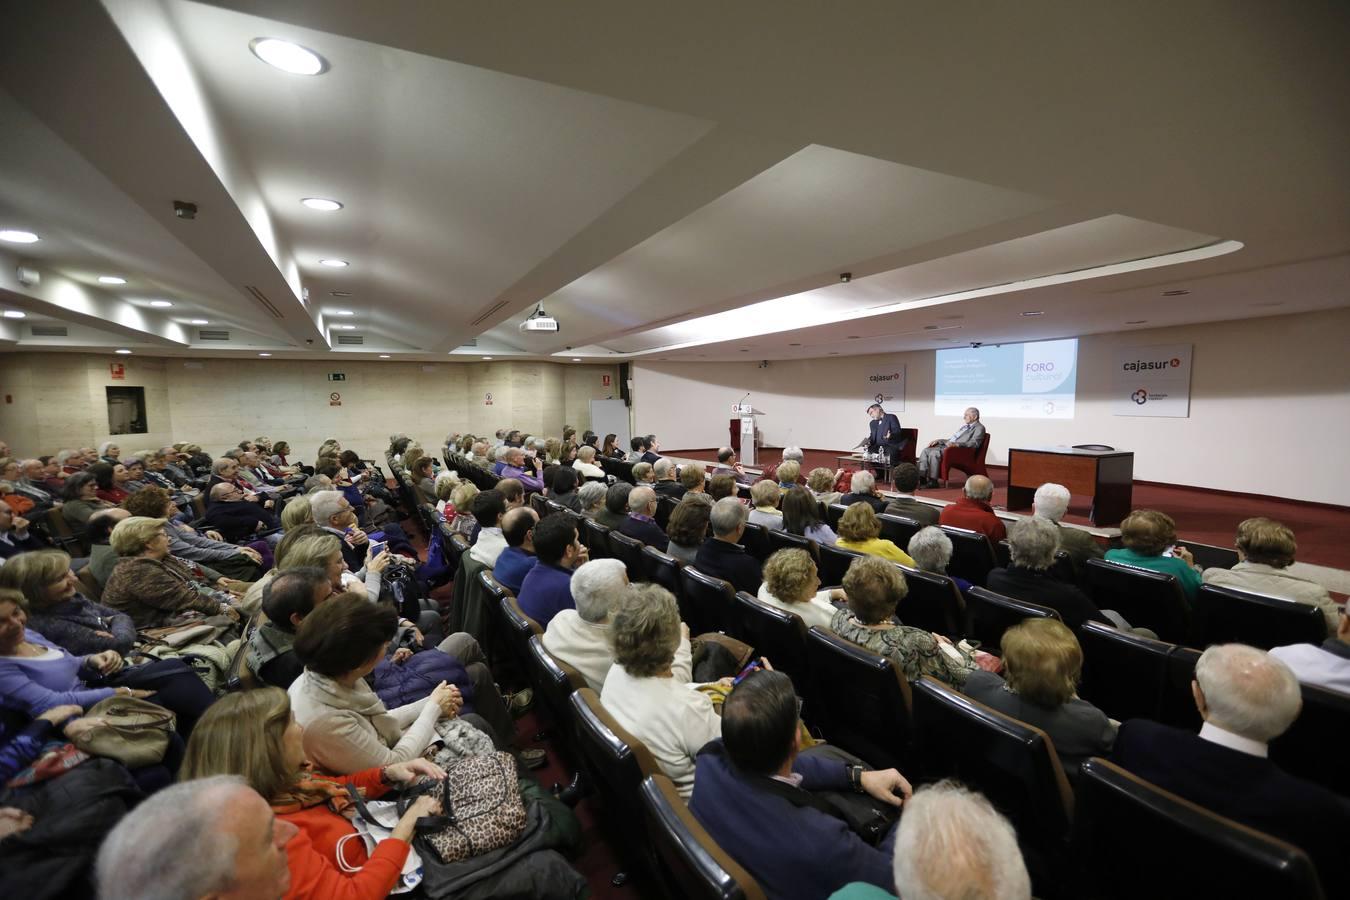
(696, 181)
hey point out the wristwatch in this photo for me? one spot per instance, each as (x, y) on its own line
(855, 778)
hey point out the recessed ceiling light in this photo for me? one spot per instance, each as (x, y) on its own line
(487, 357)
(343, 312)
(384, 356)
(288, 57)
(1136, 322)
(264, 354)
(339, 293)
(111, 279)
(334, 263)
(162, 304)
(15, 236)
(14, 314)
(1176, 293)
(123, 351)
(345, 327)
(321, 204)
(1034, 312)
(199, 322)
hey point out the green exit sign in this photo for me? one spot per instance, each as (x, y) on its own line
(337, 376)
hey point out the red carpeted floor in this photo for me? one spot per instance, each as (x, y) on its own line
(1209, 517)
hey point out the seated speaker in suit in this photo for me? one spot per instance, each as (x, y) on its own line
(970, 434)
(906, 480)
(884, 433)
(1247, 698)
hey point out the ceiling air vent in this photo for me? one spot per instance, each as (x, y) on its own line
(213, 335)
(49, 330)
(263, 301)
(350, 340)
(471, 342)
(487, 313)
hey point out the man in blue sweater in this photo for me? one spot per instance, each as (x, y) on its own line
(547, 588)
(743, 795)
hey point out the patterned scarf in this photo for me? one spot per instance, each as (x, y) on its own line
(311, 790)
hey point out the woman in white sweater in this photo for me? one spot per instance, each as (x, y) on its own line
(641, 691)
(347, 726)
(792, 583)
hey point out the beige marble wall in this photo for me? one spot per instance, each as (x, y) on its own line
(58, 400)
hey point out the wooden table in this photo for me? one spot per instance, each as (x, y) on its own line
(1107, 476)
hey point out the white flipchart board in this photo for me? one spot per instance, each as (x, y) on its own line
(611, 416)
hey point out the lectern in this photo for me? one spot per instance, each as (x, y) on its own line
(746, 413)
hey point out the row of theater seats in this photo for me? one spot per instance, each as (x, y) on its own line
(860, 702)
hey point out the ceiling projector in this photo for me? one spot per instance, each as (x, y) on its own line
(539, 322)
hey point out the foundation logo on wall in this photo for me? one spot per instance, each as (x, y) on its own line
(1153, 381)
(887, 387)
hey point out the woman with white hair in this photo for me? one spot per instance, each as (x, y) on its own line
(1051, 503)
(585, 463)
(591, 497)
(764, 496)
(1033, 542)
(932, 552)
(862, 488)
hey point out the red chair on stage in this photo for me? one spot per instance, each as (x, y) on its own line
(968, 459)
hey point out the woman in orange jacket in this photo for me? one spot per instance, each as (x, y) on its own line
(253, 734)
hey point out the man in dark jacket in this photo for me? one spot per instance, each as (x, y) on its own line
(722, 555)
(884, 433)
(755, 776)
(236, 518)
(641, 521)
(1247, 699)
(906, 480)
(1032, 542)
(666, 485)
(615, 511)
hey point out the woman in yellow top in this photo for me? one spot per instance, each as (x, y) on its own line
(858, 530)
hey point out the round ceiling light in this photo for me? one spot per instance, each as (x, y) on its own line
(322, 204)
(162, 304)
(288, 57)
(123, 351)
(14, 314)
(111, 279)
(334, 263)
(16, 236)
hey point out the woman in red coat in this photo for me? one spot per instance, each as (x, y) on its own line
(254, 735)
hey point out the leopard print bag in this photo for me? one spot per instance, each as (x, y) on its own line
(482, 808)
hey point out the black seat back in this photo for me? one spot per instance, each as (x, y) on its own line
(864, 700)
(706, 603)
(664, 507)
(554, 681)
(833, 513)
(972, 554)
(1136, 840)
(755, 541)
(1225, 615)
(539, 503)
(1012, 763)
(1209, 556)
(1302, 750)
(629, 551)
(596, 538)
(989, 614)
(1146, 599)
(661, 569)
(1124, 674)
(622, 470)
(782, 540)
(690, 862)
(834, 563)
(933, 603)
(776, 634)
(898, 529)
(519, 629)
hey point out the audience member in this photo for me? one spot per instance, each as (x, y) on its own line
(58, 610)
(580, 637)
(512, 491)
(487, 508)
(931, 549)
(81, 500)
(644, 473)
(757, 773)
(873, 588)
(1247, 698)
(642, 691)
(727, 464)
(516, 561)
(110, 479)
(791, 583)
(687, 528)
(651, 449)
(1042, 662)
(862, 488)
(791, 475)
(235, 517)
(461, 499)
(213, 837)
(801, 516)
(591, 498)
(154, 588)
(514, 459)
(666, 484)
(972, 511)
(764, 496)
(1051, 503)
(564, 489)
(693, 479)
(641, 522)
(821, 484)
(906, 480)
(1265, 551)
(231, 561)
(722, 555)
(287, 598)
(585, 465)
(615, 512)
(1032, 543)
(98, 534)
(610, 448)
(860, 530)
(1326, 666)
(721, 486)
(546, 590)
(1150, 538)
